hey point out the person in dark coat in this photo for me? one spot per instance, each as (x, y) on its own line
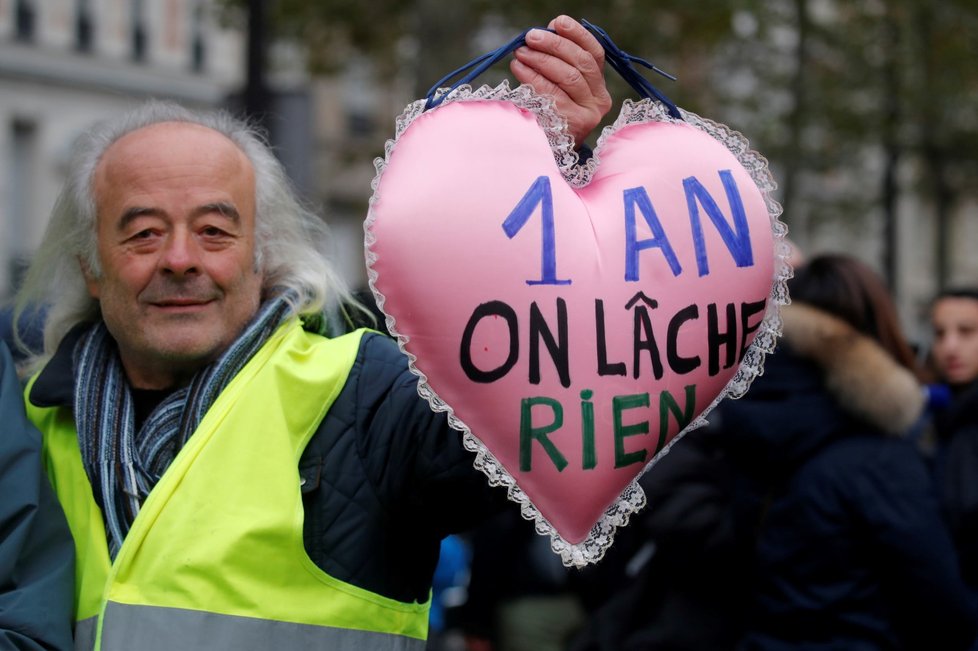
(851, 551)
(954, 318)
(519, 594)
(36, 550)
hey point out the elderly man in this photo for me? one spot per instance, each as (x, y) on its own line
(233, 478)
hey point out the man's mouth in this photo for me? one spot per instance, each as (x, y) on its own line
(181, 304)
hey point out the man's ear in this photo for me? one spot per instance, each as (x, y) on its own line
(91, 282)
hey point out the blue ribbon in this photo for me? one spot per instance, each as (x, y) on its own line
(475, 67)
(619, 60)
(622, 61)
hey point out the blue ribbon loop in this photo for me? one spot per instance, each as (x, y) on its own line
(622, 61)
(475, 67)
(619, 60)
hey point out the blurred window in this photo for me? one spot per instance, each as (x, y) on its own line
(84, 26)
(198, 47)
(22, 161)
(359, 96)
(140, 37)
(359, 124)
(25, 16)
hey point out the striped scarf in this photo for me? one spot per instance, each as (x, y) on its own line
(123, 465)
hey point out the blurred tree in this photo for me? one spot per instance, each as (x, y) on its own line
(445, 35)
(843, 97)
(942, 50)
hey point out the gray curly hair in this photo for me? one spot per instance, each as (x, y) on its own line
(289, 238)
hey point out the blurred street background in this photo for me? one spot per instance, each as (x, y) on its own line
(866, 109)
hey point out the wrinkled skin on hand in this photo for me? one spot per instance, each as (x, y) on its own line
(569, 66)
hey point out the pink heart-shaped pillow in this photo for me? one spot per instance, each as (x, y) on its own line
(574, 320)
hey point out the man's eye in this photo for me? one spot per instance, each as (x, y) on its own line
(143, 235)
(212, 231)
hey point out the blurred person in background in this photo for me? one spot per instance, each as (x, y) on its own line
(520, 596)
(449, 588)
(851, 551)
(36, 553)
(954, 357)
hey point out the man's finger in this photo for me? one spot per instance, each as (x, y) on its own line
(564, 51)
(557, 72)
(527, 75)
(575, 31)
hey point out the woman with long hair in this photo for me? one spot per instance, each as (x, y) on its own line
(850, 549)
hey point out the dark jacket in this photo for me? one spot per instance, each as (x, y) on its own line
(852, 553)
(36, 552)
(957, 474)
(385, 477)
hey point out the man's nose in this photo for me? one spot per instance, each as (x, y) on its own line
(181, 255)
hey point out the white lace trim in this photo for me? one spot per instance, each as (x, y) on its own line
(632, 499)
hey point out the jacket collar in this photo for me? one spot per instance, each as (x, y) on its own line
(864, 379)
(55, 384)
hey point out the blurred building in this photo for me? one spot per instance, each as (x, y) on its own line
(836, 208)
(65, 64)
(354, 115)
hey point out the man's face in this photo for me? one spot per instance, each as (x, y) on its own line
(176, 239)
(955, 324)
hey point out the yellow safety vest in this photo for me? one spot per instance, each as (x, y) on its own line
(215, 558)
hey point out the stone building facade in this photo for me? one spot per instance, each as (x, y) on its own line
(65, 64)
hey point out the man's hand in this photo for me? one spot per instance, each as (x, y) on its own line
(569, 66)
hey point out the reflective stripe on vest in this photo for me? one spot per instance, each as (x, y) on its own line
(151, 628)
(85, 634)
(216, 552)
